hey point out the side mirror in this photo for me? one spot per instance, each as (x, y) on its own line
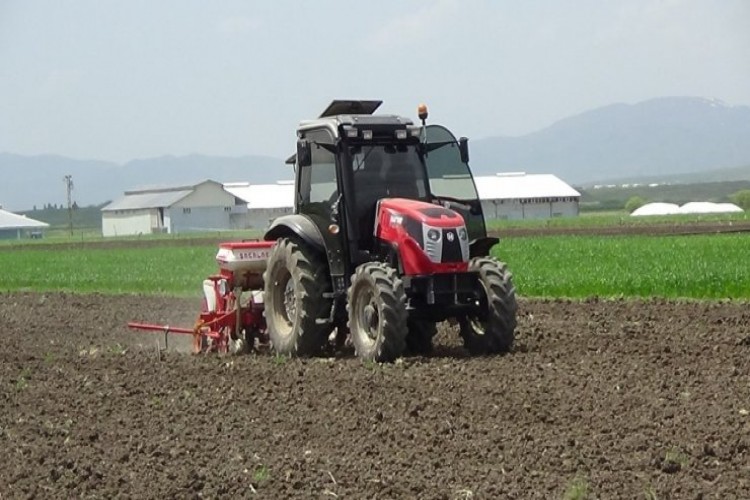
(304, 154)
(463, 148)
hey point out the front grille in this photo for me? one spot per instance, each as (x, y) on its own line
(449, 247)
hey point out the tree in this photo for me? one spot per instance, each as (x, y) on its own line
(741, 199)
(634, 203)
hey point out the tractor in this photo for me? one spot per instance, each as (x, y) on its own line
(387, 239)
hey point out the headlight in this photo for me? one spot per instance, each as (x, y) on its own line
(462, 234)
(433, 235)
(395, 218)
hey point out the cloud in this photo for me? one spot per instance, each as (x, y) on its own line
(414, 28)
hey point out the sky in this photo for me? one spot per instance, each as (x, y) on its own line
(121, 80)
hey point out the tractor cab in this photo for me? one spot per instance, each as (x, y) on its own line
(349, 159)
(379, 194)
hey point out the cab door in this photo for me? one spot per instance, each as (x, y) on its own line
(451, 180)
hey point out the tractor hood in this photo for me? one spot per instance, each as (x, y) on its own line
(426, 213)
(430, 239)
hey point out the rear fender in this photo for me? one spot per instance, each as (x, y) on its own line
(305, 228)
(296, 225)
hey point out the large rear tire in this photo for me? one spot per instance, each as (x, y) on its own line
(377, 312)
(295, 281)
(493, 330)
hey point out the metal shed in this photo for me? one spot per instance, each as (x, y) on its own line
(518, 195)
(14, 226)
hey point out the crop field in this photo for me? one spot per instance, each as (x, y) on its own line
(616, 387)
(698, 266)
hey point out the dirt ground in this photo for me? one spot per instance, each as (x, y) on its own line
(618, 399)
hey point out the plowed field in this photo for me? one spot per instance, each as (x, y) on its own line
(620, 399)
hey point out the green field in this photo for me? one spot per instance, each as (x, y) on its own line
(616, 219)
(697, 267)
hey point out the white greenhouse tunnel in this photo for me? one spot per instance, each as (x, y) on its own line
(693, 207)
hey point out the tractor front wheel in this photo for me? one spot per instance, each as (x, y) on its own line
(295, 282)
(493, 329)
(377, 312)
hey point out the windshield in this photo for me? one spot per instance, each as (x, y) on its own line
(450, 179)
(383, 172)
(449, 176)
(388, 172)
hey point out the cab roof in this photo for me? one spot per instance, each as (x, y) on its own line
(352, 112)
(350, 107)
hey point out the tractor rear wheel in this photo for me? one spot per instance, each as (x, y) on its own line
(419, 338)
(295, 282)
(377, 312)
(493, 330)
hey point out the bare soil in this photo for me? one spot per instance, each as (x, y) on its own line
(620, 399)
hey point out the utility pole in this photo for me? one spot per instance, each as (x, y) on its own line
(68, 179)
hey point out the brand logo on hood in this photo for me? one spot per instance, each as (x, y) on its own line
(450, 236)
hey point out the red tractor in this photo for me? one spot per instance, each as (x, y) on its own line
(387, 238)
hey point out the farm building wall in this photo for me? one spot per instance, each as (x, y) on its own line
(542, 208)
(207, 194)
(190, 219)
(260, 218)
(127, 222)
(207, 208)
(10, 234)
(262, 203)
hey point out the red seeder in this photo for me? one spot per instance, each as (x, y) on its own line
(231, 317)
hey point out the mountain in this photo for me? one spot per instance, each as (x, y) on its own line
(38, 180)
(659, 137)
(676, 139)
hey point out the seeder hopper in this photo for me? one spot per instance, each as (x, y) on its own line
(231, 318)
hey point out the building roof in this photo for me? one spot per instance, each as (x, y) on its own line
(147, 200)
(146, 197)
(9, 220)
(279, 195)
(516, 185)
(163, 188)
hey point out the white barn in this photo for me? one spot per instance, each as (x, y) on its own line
(265, 202)
(14, 226)
(204, 206)
(517, 195)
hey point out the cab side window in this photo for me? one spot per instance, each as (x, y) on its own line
(318, 181)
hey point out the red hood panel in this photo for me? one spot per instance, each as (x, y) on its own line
(427, 213)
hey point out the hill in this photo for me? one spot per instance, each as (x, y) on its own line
(31, 181)
(614, 197)
(670, 139)
(661, 137)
